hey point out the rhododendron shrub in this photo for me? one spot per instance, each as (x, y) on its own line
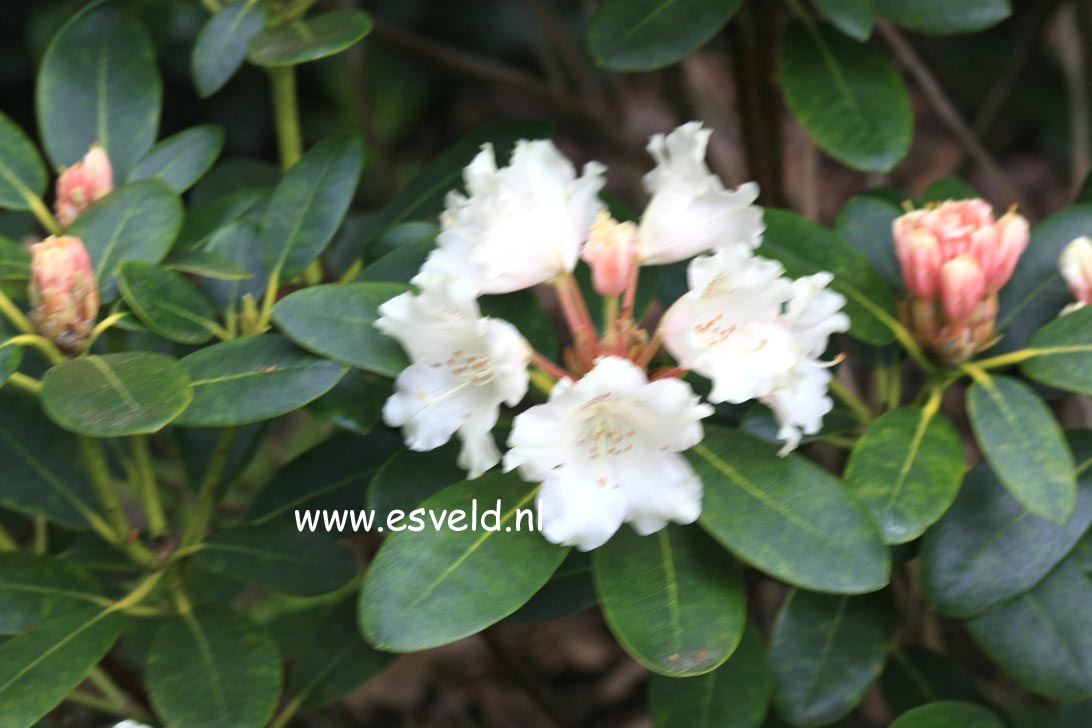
(798, 450)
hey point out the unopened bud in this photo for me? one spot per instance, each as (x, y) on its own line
(921, 262)
(63, 292)
(611, 252)
(1076, 266)
(962, 285)
(83, 184)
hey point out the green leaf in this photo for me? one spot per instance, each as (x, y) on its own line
(167, 303)
(906, 468)
(1044, 637)
(14, 260)
(180, 160)
(404, 262)
(1023, 443)
(948, 188)
(826, 652)
(735, 694)
(278, 557)
(98, 82)
(222, 44)
(309, 40)
(33, 586)
(39, 668)
(916, 675)
(805, 248)
(309, 203)
(826, 540)
(1064, 348)
(116, 394)
(253, 379)
(410, 478)
(136, 222)
(672, 599)
(570, 590)
(847, 95)
(424, 196)
(233, 175)
(207, 264)
(865, 222)
(22, 172)
(988, 549)
(44, 474)
(438, 585)
(641, 35)
(943, 16)
(852, 17)
(241, 243)
(213, 667)
(203, 223)
(332, 476)
(337, 321)
(334, 660)
(949, 714)
(10, 358)
(355, 403)
(1037, 293)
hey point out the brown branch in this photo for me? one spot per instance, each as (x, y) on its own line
(947, 112)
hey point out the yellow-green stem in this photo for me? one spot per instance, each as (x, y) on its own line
(7, 543)
(859, 409)
(147, 487)
(14, 314)
(41, 343)
(110, 691)
(206, 499)
(25, 383)
(286, 114)
(41, 535)
(45, 217)
(99, 471)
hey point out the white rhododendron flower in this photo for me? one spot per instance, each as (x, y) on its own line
(691, 212)
(463, 367)
(607, 450)
(520, 225)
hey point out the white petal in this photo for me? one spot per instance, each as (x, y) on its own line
(660, 487)
(577, 512)
(815, 312)
(800, 406)
(429, 406)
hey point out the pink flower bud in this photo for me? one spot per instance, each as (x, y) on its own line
(63, 292)
(962, 286)
(921, 260)
(83, 184)
(1013, 234)
(611, 252)
(1076, 267)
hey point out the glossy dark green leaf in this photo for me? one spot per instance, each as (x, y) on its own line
(14, 261)
(1024, 444)
(423, 197)
(10, 358)
(865, 222)
(309, 203)
(44, 474)
(404, 262)
(826, 651)
(941, 16)
(22, 172)
(207, 264)
(213, 667)
(570, 590)
(640, 35)
(805, 248)
(136, 222)
(278, 557)
(409, 478)
(852, 17)
(826, 539)
(906, 468)
(98, 82)
(33, 586)
(1037, 293)
(1065, 353)
(204, 222)
(40, 667)
(355, 403)
(309, 40)
(847, 95)
(1075, 715)
(180, 160)
(167, 303)
(222, 44)
(674, 599)
(335, 659)
(949, 714)
(988, 549)
(735, 694)
(432, 587)
(116, 394)
(337, 321)
(916, 675)
(241, 243)
(232, 175)
(253, 379)
(1044, 637)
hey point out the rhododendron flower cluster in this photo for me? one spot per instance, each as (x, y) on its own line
(608, 443)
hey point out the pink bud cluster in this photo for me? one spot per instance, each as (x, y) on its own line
(64, 295)
(954, 258)
(83, 184)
